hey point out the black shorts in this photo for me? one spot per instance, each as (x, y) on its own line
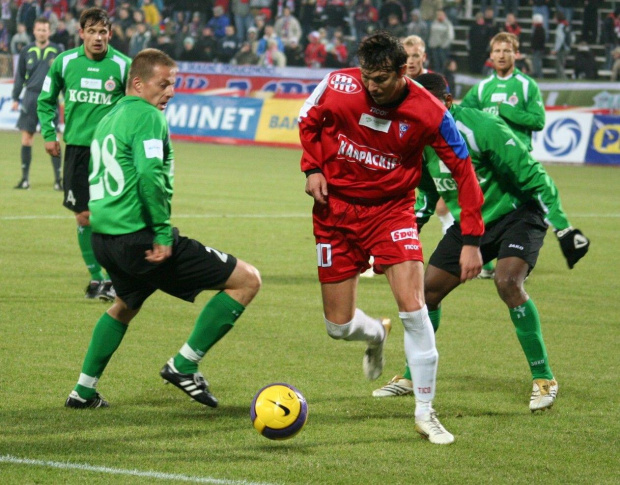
(75, 178)
(28, 118)
(519, 234)
(191, 269)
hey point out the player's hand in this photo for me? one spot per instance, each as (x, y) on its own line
(316, 187)
(574, 245)
(471, 262)
(158, 254)
(52, 148)
(15, 106)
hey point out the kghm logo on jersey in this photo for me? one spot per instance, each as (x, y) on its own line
(370, 158)
(344, 84)
(402, 128)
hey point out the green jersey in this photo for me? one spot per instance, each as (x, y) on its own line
(508, 175)
(90, 90)
(131, 171)
(516, 99)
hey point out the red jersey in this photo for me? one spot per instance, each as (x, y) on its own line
(373, 152)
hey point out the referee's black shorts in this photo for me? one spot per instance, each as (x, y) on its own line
(520, 234)
(191, 269)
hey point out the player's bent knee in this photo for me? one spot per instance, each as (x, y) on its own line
(244, 283)
(509, 287)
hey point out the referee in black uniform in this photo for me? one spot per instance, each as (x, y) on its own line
(34, 61)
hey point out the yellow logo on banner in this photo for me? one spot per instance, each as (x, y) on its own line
(607, 139)
(278, 121)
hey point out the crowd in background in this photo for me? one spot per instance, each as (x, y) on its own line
(324, 33)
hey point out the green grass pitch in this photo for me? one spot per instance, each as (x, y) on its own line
(250, 201)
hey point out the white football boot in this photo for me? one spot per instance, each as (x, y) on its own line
(544, 392)
(398, 386)
(430, 428)
(373, 357)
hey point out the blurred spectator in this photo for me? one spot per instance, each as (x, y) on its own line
(163, 42)
(62, 36)
(294, 53)
(335, 16)
(491, 22)
(479, 36)
(8, 14)
(245, 56)
(287, 27)
(391, 7)
(589, 27)
(207, 45)
(609, 37)
(511, 6)
(315, 52)
(124, 18)
(567, 7)
(395, 27)
(366, 17)
(542, 7)
(511, 26)
(561, 47)
(272, 57)
(138, 17)
(428, 11)
(60, 7)
(140, 39)
(252, 38)
(585, 63)
(615, 70)
(27, 13)
(189, 52)
(417, 26)
(72, 27)
(538, 45)
(243, 17)
(227, 46)
(307, 15)
(449, 73)
(6, 67)
(152, 15)
(523, 63)
(270, 34)
(337, 55)
(49, 14)
(453, 9)
(218, 22)
(119, 39)
(19, 40)
(440, 37)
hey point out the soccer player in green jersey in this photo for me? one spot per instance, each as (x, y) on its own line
(92, 78)
(519, 199)
(511, 95)
(131, 181)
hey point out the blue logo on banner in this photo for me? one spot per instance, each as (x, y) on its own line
(562, 137)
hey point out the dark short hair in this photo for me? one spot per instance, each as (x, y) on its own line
(434, 83)
(381, 51)
(94, 16)
(42, 20)
(144, 62)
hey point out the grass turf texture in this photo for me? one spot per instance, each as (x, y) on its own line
(251, 203)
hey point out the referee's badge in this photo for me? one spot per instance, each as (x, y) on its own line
(110, 85)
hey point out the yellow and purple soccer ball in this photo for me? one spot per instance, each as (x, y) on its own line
(279, 411)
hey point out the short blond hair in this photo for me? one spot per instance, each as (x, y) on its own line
(506, 37)
(413, 41)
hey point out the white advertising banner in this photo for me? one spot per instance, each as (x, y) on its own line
(565, 137)
(8, 118)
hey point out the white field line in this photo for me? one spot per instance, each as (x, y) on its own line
(120, 471)
(254, 216)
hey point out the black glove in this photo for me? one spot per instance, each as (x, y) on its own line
(574, 245)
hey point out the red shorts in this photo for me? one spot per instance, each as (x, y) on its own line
(347, 234)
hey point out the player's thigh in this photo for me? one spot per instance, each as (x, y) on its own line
(407, 283)
(523, 235)
(75, 178)
(339, 300)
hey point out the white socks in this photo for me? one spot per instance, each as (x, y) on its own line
(422, 357)
(362, 327)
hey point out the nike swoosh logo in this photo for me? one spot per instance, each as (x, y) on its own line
(286, 410)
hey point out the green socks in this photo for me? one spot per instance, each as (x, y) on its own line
(107, 336)
(215, 320)
(83, 235)
(527, 324)
(435, 316)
